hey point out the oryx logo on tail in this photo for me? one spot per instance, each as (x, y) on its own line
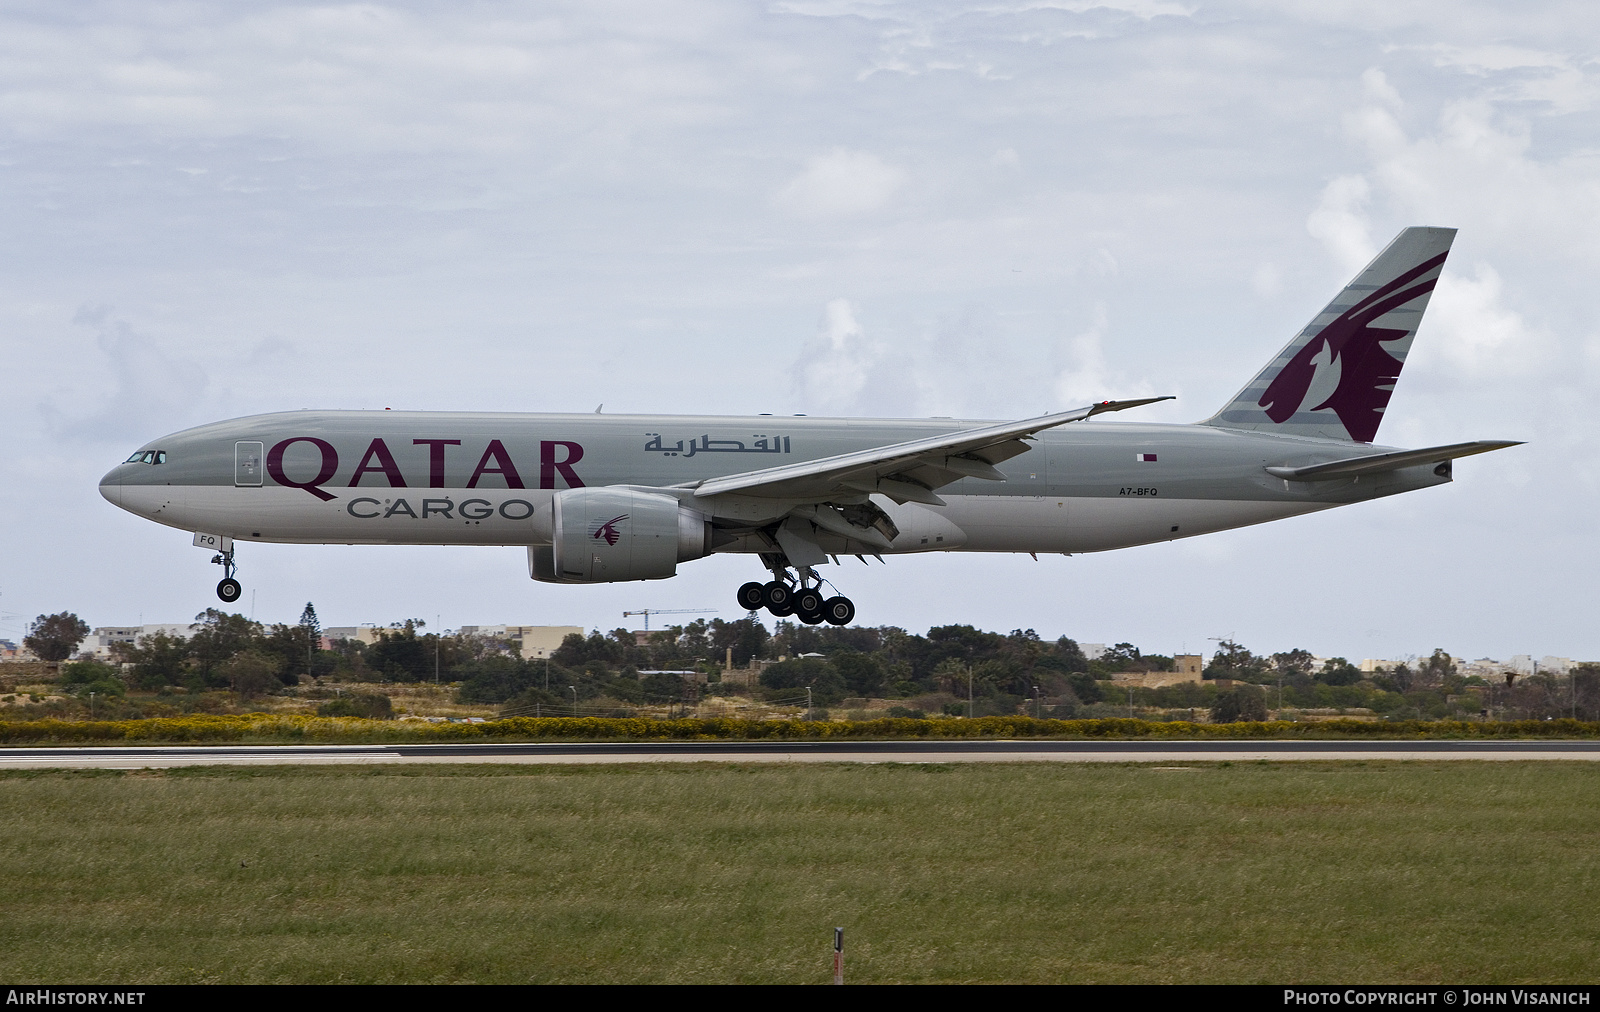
(1349, 352)
(606, 530)
(1334, 380)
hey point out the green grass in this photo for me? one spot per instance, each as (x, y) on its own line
(1284, 872)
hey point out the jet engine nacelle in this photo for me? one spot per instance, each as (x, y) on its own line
(608, 535)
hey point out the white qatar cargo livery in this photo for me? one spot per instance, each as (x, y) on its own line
(602, 498)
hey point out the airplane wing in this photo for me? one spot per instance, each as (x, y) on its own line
(905, 472)
(1377, 462)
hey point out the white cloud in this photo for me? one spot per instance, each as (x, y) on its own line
(1475, 169)
(1087, 377)
(841, 183)
(835, 366)
(1377, 87)
(1340, 222)
(1473, 331)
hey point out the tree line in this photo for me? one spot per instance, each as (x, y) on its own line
(979, 672)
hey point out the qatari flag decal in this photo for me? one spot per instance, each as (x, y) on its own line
(1145, 457)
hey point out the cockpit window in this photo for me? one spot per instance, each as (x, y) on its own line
(138, 455)
(161, 456)
(148, 457)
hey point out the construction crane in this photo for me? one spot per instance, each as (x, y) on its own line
(647, 612)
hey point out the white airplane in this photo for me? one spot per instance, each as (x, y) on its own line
(604, 498)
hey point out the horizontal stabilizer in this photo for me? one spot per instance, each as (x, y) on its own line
(1378, 462)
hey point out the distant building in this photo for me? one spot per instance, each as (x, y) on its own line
(1185, 668)
(536, 642)
(9, 651)
(367, 634)
(1372, 665)
(101, 641)
(1486, 668)
(1093, 651)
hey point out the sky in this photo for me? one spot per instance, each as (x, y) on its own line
(986, 210)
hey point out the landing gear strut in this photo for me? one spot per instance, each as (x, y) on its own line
(228, 590)
(800, 596)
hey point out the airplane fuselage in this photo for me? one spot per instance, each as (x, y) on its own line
(470, 478)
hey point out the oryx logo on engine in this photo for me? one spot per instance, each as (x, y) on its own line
(607, 529)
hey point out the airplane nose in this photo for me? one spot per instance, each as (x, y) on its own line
(111, 489)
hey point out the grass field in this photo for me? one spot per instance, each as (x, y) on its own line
(1284, 872)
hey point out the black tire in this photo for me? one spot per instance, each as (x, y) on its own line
(777, 595)
(781, 610)
(807, 601)
(809, 617)
(752, 596)
(229, 590)
(838, 611)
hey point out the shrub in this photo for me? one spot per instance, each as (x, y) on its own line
(496, 679)
(1247, 702)
(103, 687)
(253, 672)
(88, 672)
(269, 727)
(827, 687)
(862, 673)
(371, 706)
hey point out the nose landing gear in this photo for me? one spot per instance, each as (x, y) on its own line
(228, 590)
(801, 597)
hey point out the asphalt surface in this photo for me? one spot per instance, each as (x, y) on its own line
(147, 757)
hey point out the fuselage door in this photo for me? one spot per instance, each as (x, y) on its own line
(247, 462)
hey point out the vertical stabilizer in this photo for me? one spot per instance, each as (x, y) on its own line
(1335, 378)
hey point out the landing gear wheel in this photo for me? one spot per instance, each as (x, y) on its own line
(809, 617)
(776, 595)
(229, 590)
(781, 611)
(807, 600)
(838, 610)
(752, 596)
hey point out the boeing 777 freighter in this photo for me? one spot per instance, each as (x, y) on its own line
(604, 498)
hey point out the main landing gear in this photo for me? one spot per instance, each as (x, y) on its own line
(782, 597)
(229, 589)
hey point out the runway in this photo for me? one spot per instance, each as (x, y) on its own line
(158, 757)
